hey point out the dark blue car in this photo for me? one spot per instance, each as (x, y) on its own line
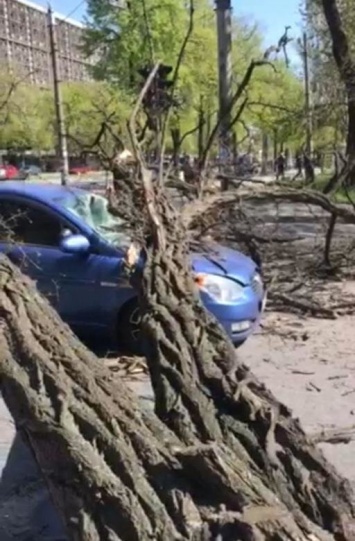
(72, 246)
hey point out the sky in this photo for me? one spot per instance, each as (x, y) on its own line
(271, 15)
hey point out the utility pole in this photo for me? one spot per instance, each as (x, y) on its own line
(224, 35)
(308, 97)
(62, 137)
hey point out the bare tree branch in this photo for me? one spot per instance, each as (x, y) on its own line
(133, 118)
(198, 208)
(237, 95)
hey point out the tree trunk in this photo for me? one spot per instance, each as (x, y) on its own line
(265, 154)
(276, 144)
(176, 140)
(228, 404)
(350, 141)
(346, 66)
(117, 473)
(201, 132)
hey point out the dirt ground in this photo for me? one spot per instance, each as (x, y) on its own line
(311, 368)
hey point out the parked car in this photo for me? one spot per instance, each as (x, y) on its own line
(80, 170)
(32, 170)
(73, 247)
(10, 172)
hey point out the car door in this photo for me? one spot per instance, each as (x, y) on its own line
(16, 232)
(30, 235)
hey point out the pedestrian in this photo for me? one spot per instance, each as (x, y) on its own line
(299, 166)
(308, 169)
(280, 164)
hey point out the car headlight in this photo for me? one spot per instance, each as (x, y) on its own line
(220, 289)
(257, 284)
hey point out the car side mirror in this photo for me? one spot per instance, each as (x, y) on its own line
(75, 244)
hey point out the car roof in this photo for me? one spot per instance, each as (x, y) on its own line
(45, 192)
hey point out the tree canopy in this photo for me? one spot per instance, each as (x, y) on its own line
(125, 40)
(27, 114)
(128, 39)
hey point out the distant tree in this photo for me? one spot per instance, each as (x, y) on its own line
(25, 116)
(87, 107)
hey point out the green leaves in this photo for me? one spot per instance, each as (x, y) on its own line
(277, 103)
(87, 106)
(152, 30)
(28, 120)
(126, 40)
(25, 116)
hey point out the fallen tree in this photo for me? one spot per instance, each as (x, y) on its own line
(233, 464)
(335, 435)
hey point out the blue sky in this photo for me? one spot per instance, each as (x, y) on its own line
(272, 15)
(64, 7)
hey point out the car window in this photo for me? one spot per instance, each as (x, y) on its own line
(94, 210)
(21, 223)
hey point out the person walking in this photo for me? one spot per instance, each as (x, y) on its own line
(308, 169)
(280, 164)
(299, 166)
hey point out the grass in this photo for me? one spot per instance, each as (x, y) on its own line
(340, 196)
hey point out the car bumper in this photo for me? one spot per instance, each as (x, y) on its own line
(241, 319)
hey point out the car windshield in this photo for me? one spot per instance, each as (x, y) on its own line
(94, 210)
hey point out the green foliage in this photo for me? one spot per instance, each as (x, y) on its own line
(24, 119)
(277, 104)
(28, 122)
(87, 106)
(152, 30)
(330, 114)
(126, 40)
(130, 38)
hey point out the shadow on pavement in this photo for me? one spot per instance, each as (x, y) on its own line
(26, 511)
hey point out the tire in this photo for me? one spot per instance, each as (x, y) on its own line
(129, 332)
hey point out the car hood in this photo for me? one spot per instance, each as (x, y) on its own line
(224, 261)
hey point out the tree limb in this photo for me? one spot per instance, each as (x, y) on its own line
(334, 435)
(237, 95)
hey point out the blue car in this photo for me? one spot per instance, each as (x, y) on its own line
(68, 242)
(32, 170)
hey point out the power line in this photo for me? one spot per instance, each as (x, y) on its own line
(61, 21)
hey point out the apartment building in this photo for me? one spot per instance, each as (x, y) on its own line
(25, 46)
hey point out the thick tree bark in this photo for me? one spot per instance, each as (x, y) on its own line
(346, 66)
(116, 473)
(203, 394)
